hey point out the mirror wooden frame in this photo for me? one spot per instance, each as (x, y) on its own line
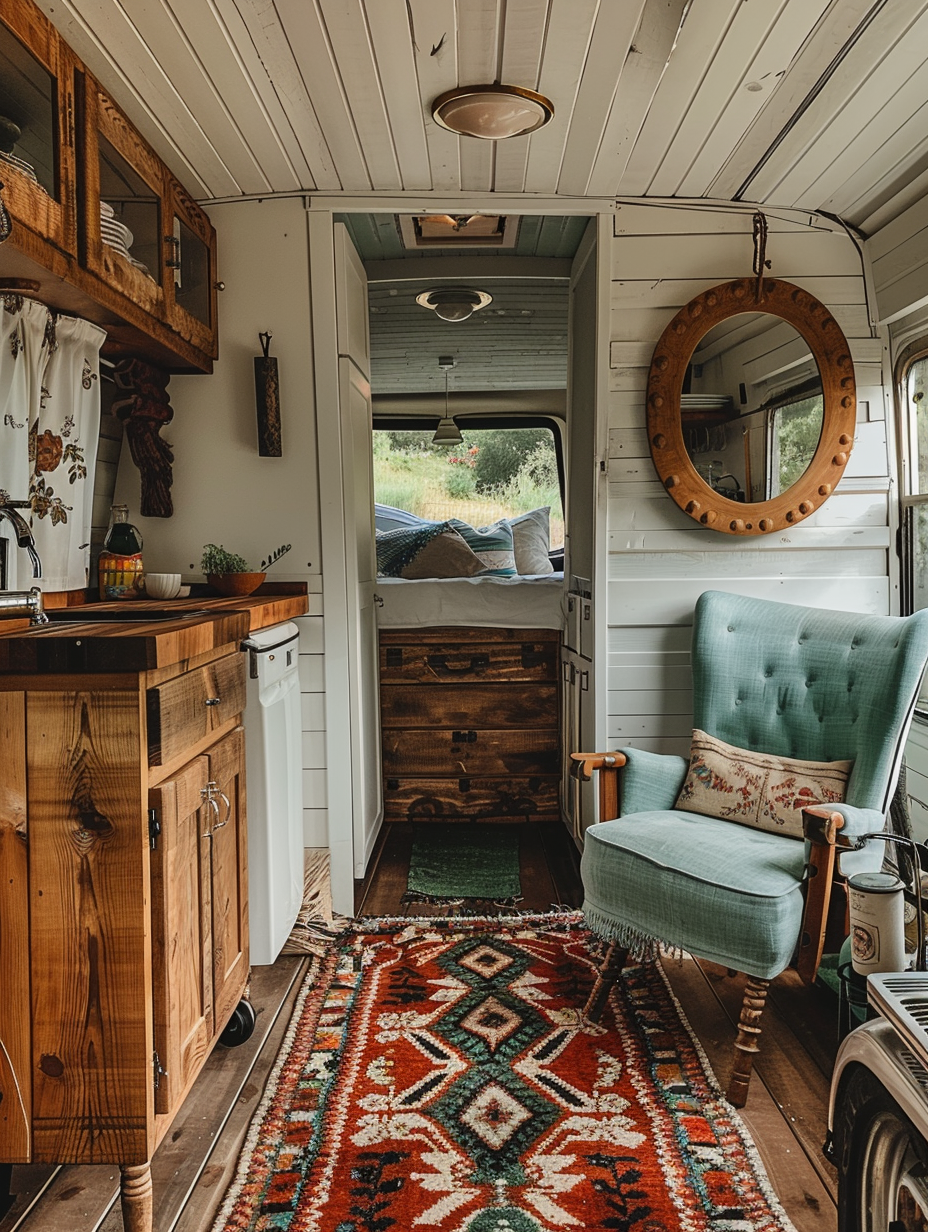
(672, 355)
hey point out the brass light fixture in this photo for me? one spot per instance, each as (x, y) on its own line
(447, 432)
(492, 112)
(454, 303)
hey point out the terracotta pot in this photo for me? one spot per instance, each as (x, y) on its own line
(235, 585)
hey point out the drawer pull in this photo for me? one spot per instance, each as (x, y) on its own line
(394, 656)
(209, 794)
(393, 784)
(439, 664)
(464, 784)
(464, 737)
(532, 656)
(212, 701)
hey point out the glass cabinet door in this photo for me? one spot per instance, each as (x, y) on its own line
(37, 117)
(192, 259)
(124, 233)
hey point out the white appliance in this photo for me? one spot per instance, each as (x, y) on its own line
(878, 1115)
(274, 787)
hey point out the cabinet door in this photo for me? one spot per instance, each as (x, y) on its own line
(181, 889)
(229, 874)
(190, 285)
(37, 93)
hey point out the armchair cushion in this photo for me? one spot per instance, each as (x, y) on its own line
(758, 789)
(730, 895)
(650, 780)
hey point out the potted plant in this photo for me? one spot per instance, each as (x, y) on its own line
(231, 574)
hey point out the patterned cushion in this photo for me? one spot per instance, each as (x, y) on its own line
(493, 544)
(444, 556)
(531, 535)
(398, 548)
(757, 789)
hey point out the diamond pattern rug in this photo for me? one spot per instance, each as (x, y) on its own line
(438, 1075)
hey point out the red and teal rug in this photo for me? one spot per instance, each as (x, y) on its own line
(438, 1075)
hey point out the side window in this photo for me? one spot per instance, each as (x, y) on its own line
(492, 473)
(914, 396)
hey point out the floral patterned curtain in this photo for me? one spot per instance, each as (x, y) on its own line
(50, 403)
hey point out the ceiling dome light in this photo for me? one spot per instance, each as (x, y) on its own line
(492, 112)
(454, 303)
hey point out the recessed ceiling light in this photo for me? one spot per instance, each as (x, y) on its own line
(492, 112)
(454, 303)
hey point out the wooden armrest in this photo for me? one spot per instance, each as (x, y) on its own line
(586, 763)
(820, 825)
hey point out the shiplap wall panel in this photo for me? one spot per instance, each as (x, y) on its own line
(525, 25)
(659, 560)
(396, 68)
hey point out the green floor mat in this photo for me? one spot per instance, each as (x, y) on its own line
(464, 861)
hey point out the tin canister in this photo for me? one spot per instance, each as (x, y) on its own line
(877, 922)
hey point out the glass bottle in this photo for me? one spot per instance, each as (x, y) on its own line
(120, 568)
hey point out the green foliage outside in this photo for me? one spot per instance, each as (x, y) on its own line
(495, 473)
(798, 428)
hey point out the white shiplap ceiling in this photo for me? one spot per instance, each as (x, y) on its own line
(819, 104)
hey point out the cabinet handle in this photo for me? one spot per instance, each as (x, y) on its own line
(439, 664)
(228, 803)
(172, 260)
(212, 701)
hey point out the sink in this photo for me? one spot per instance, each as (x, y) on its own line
(87, 615)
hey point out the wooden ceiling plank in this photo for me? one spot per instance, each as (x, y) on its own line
(638, 84)
(388, 25)
(525, 27)
(434, 32)
(275, 53)
(346, 24)
(609, 48)
(891, 121)
(241, 39)
(825, 42)
(312, 51)
(390, 241)
(887, 39)
(743, 69)
(529, 230)
(478, 38)
(915, 190)
(570, 28)
(111, 47)
(168, 42)
(887, 172)
(236, 92)
(702, 34)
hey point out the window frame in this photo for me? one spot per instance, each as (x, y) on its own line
(908, 500)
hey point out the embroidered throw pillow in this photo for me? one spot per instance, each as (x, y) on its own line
(757, 789)
(531, 540)
(444, 556)
(493, 544)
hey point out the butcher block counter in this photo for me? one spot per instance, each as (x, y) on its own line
(94, 637)
(123, 860)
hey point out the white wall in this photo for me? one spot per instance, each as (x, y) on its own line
(659, 559)
(223, 491)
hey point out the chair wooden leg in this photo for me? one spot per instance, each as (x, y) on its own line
(609, 972)
(136, 1197)
(746, 1045)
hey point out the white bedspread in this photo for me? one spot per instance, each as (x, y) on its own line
(536, 602)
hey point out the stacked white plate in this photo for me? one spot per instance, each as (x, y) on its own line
(705, 402)
(113, 232)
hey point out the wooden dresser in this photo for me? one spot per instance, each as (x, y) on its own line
(470, 724)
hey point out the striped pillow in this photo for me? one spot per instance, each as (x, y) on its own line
(492, 544)
(396, 549)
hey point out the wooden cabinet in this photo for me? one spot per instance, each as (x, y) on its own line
(470, 724)
(99, 222)
(124, 917)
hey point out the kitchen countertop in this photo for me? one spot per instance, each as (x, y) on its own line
(179, 629)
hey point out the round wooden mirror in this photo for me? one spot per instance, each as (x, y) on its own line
(751, 422)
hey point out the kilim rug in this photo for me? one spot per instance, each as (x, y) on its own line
(438, 1075)
(459, 861)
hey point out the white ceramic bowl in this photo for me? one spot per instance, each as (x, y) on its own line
(162, 585)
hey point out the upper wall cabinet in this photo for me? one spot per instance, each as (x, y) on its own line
(99, 222)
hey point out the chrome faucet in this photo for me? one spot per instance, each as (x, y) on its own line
(8, 510)
(23, 603)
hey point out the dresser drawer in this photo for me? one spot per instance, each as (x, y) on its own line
(470, 751)
(184, 710)
(469, 706)
(457, 662)
(483, 798)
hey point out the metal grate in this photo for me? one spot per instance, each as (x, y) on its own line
(902, 999)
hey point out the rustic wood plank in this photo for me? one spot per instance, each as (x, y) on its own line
(458, 661)
(469, 752)
(88, 863)
(469, 706)
(182, 711)
(15, 1040)
(507, 798)
(563, 860)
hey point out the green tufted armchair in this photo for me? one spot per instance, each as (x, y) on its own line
(773, 678)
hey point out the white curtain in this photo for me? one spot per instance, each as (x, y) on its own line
(50, 401)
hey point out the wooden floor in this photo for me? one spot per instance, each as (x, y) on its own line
(785, 1112)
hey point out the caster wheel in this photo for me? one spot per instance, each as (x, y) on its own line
(240, 1026)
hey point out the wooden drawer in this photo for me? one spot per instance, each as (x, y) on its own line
(486, 798)
(456, 662)
(184, 710)
(469, 706)
(470, 752)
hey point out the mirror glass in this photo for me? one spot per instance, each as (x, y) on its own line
(752, 407)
